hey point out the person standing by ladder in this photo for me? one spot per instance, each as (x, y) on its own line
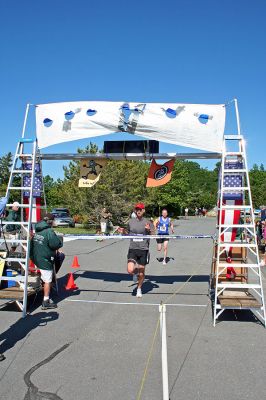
(43, 247)
(162, 224)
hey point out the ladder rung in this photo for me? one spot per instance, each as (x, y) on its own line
(18, 278)
(222, 275)
(239, 286)
(13, 241)
(233, 137)
(260, 307)
(237, 226)
(234, 171)
(26, 189)
(14, 223)
(234, 189)
(234, 153)
(233, 244)
(14, 259)
(21, 171)
(239, 207)
(225, 265)
(22, 155)
(25, 206)
(27, 140)
(20, 205)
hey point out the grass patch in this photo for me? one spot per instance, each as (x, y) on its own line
(73, 231)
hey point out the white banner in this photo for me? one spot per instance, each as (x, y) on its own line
(199, 126)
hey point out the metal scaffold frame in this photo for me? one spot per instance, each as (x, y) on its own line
(246, 294)
(37, 156)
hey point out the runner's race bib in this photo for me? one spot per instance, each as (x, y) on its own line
(138, 239)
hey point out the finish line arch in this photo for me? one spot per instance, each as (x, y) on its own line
(198, 126)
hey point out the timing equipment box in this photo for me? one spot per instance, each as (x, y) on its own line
(131, 146)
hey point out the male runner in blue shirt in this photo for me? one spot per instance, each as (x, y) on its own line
(163, 224)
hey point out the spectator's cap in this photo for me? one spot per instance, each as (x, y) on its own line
(140, 205)
(15, 204)
(48, 217)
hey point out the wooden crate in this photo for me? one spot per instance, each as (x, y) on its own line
(238, 298)
(14, 293)
(238, 256)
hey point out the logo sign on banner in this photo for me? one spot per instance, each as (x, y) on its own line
(160, 174)
(90, 172)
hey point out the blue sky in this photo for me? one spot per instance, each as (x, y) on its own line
(148, 50)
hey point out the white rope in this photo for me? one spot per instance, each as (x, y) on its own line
(134, 304)
(82, 236)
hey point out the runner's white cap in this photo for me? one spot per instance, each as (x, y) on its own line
(15, 204)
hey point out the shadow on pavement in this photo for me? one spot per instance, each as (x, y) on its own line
(118, 277)
(239, 316)
(21, 328)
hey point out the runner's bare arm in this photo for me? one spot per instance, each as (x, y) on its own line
(172, 227)
(150, 228)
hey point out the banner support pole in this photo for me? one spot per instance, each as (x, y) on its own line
(237, 117)
(162, 311)
(25, 121)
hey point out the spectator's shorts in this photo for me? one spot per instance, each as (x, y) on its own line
(46, 275)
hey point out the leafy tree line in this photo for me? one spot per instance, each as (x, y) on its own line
(123, 183)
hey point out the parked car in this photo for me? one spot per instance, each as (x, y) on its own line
(62, 218)
(59, 210)
(255, 211)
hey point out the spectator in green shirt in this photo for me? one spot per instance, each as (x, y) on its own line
(13, 216)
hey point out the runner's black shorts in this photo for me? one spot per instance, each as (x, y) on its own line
(141, 257)
(162, 240)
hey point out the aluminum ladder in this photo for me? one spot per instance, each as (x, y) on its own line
(252, 285)
(25, 226)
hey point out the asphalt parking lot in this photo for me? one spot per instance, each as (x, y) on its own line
(96, 344)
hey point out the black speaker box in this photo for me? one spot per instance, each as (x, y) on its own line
(131, 146)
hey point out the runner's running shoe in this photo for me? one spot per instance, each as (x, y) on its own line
(139, 293)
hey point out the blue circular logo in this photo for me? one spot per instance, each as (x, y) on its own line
(69, 115)
(47, 122)
(91, 112)
(170, 113)
(203, 118)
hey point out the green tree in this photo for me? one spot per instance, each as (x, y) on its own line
(258, 185)
(5, 167)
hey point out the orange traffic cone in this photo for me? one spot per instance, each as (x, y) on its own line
(75, 263)
(70, 282)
